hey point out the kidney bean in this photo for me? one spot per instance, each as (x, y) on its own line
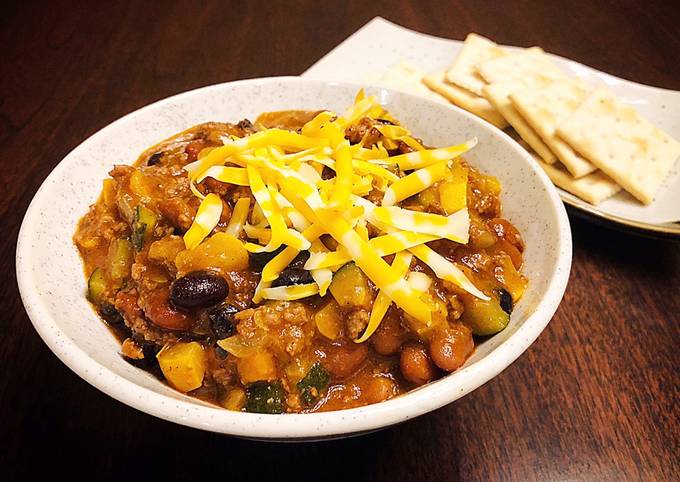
(198, 289)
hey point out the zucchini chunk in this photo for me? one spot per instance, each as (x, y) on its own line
(313, 384)
(143, 224)
(265, 397)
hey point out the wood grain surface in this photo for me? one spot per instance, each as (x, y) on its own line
(596, 397)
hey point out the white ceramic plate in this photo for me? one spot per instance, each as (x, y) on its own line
(380, 44)
(52, 284)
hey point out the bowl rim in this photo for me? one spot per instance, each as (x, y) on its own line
(294, 426)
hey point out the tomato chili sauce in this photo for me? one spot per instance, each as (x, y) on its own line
(187, 315)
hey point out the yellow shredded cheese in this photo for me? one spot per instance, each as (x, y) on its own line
(383, 245)
(454, 227)
(280, 233)
(294, 206)
(426, 157)
(445, 269)
(238, 217)
(415, 182)
(207, 217)
(323, 276)
(377, 270)
(290, 293)
(343, 178)
(232, 175)
(401, 263)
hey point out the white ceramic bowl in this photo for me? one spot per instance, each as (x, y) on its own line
(52, 284)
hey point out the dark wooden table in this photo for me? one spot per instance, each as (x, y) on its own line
(595, 398)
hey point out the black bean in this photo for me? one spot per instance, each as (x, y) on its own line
(292, 276)
(149, 360)
(110, 314)
(300, 260)
(506, 301)
(154, 159)
(198, 289)
(259, 260)
(222, 320)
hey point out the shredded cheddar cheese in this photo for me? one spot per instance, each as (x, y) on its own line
(238, 217)
(295, 205)
(207, 217)
(401, 263)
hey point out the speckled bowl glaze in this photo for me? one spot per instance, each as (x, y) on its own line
(52, 284)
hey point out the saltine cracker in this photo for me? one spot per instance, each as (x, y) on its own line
(464, 99)
(545, 108)
(475, 49)
(528, 69)
(593, 188)
(624, 145)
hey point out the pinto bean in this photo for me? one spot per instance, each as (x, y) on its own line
(344, 360)
(450, 348)
(379, 389)
(390, 335)
(415, 364)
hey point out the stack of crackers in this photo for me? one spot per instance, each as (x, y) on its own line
(588, 142)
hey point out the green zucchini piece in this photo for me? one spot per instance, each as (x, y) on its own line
(484, 317)
(119, 261)
(350, 287)
(96, 287)
(265, 397)
(143, 224)
(313, 384)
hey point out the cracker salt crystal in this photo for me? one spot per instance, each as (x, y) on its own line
(464, 99)
(475, 49)
(545, 108)
(624, 145)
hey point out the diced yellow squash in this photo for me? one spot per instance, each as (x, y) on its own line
(234, 400)
(481, 236)
(453, 191)
(139, 184)
(183, 364)
(257, 367)
(350, 287)
(328, 320)
(109, 192)
(166, 249)
(429, 197)
(221, 252)
(298, 367)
